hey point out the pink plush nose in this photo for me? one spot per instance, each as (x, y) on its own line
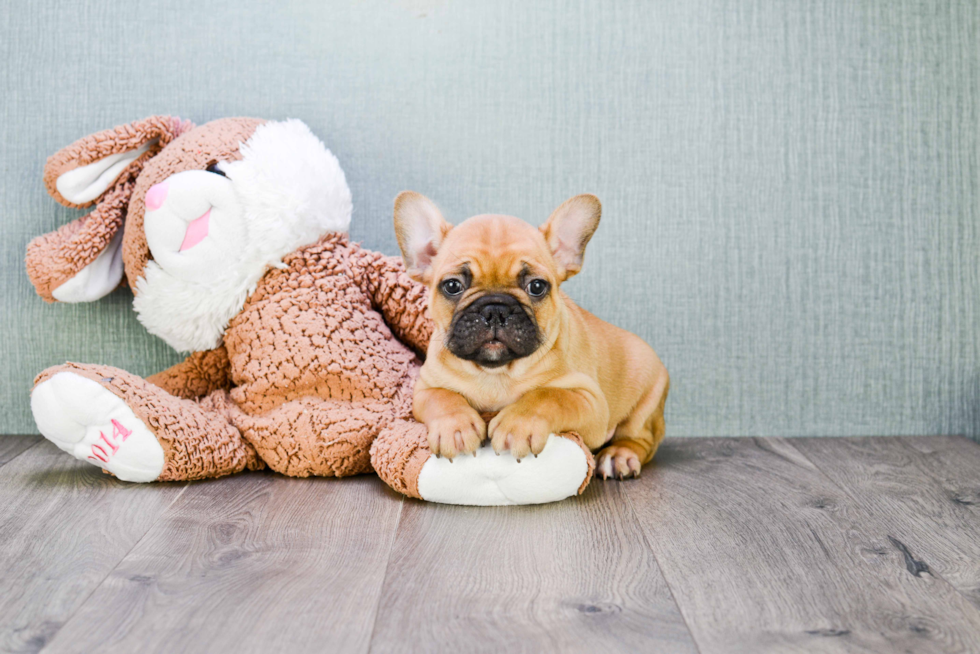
(155, 196)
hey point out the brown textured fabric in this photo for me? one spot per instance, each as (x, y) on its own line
(589, 458)
(398, 454)
(216, 141)
(317, 372)
(119, 139)
(309, 330)
(197, 375)
(197, 439)
(401, 300)
(312, 436)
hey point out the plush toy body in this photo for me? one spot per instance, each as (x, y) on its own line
(307, 375)
(304, 346)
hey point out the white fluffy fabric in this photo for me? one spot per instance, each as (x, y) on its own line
(291, 190)
(190, 317)
(83, 184)
(97, 279)
(490, 480)
(76, 414)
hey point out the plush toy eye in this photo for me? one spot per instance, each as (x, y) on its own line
(213, 168)
(537, 288)
(452, 287)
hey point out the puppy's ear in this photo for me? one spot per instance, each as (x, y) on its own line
(420, 229)
(569, 229)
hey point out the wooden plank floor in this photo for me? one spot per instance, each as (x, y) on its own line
(724, 545)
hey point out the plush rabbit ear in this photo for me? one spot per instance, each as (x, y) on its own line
(80, 186)
(81, 261)
(76, 176)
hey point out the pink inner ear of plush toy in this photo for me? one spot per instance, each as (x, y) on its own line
(196, 231)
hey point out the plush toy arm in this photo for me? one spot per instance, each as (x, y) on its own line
(402, 458)
(196, 376)
(401, 300)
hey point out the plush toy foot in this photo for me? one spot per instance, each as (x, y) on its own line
(91, 423)
(402, 459)
(136, 430)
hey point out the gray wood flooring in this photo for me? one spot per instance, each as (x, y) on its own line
(724, 545)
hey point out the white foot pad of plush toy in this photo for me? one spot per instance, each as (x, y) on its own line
(490, 480)
(93, 424)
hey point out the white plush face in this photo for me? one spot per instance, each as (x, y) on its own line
(195, 224)
(213, 235)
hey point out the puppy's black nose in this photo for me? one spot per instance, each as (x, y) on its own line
(495, 315)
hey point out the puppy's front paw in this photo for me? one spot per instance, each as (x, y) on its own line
(519, 431)
(461, 432)
(619, 462)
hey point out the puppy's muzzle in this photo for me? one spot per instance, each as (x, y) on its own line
(493, 330)
(496, 314)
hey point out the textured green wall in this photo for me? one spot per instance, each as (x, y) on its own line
(792, 214)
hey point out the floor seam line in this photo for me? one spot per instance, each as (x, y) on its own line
(384, 576)
(115, 567)
(663, 575)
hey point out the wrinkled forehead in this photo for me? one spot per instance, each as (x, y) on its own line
(495, 250)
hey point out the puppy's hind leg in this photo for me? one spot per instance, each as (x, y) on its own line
(637, 438)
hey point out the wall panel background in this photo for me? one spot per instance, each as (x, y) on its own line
(790, 190)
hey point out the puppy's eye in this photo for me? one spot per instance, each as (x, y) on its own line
(537, 288)
(213, 168)
(452, 287)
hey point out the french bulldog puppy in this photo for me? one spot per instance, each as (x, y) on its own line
(508, 341)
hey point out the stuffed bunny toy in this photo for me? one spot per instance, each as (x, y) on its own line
(304, 347)
(232, 238)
